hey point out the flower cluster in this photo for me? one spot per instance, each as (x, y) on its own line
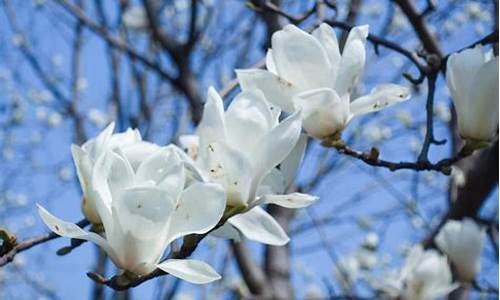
(427, 275)
(142, 196)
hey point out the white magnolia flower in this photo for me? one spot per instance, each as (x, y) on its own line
(425, 276)
(307, 71)
(135, 18)
(367, 258)
(347, 271)
(472, 77)
(240, 149)
(462, 241)
(144, 209)
(130, 144)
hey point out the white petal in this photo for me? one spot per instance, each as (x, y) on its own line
(191, 270)
(293, 200)
(141, 219)
(327, 37)
(70, 230)
(164, 169)
(258, 225)
(248, 110)
(96, 147)
(198, 210)
(380, 97)
(190, 143)
(227, 231)
(83, 166)
(353, 60)
(290, 165)
(461, 68)
(232, 170)
(129, 137)
(276, 89)
(324, 113)
(111, 175)
(212, 127)
(270, 65)
(274, 147)
(301, 59)
(481, 113)
(273, 183)
(136, 153)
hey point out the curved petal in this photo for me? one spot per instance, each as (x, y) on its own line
(248, 110)
(327, 37)
(94, 147)
(293, 200)
(270, 65)
(324, 113)
(130, 136)
(198, 210)
(274, 147)
(277, 90)
(258, 225)
(272, 183)
(481, 115)
(301, 59)
(232, 170)
(380, 97)
(70, 230)
(353, 60)
(227, 231)
(461, 68)
(135, 153)
(191, 270)
(165, 170)
(190, 143)
(83, 166)
(111, 175)
(212, 127)
(291, 164)
(141, 217)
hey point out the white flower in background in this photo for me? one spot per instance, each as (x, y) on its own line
(371, 240)
(240, 149)
(65, 173)
(472, 78)
(367, 258)
(144, 208)
(462, 241)
(135, 17)
(442, 112)
(347, 271)
(97, 117)
(54, 119)
(129, 143)
(82, 84)
(308, 72)
(425, 276)
(458, 176)
(18, 40)
(41, 113)
(314, 292)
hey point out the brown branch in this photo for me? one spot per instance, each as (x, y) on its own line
(252, 274)
(27, 244)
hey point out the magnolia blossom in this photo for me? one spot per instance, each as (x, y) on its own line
(308, 72)
(472, 77)
(144, 208)
(129, 143)
(425, 276)
(462, 241)
(240, 149)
